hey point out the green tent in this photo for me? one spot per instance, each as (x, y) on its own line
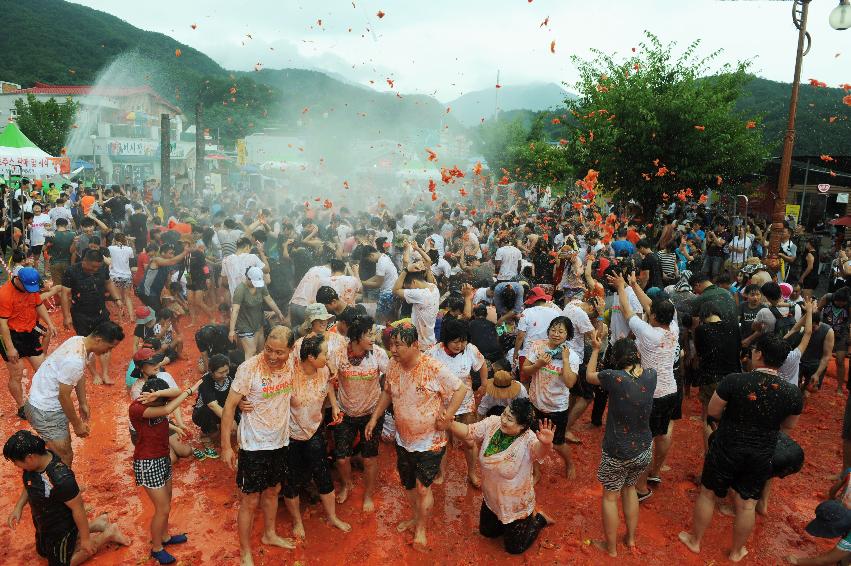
(12, 136)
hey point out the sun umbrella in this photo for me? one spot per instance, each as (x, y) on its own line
(842, 221)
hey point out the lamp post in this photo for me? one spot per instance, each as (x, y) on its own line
(840, 18)
(93, 137)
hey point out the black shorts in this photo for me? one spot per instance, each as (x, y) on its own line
(28, 344)
(661, 414)
(582, 388)
(351, 428)
(84, 324)
(418, 466)
(206, 419)
(743, 469)
(258, 470)
(57, 548)
(306, 460)
(559, 419)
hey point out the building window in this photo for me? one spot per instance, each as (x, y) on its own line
(13, 113)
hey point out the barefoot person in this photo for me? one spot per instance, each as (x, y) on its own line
(359, 390)
(551, 380)
(49, 408)
(751, 407)
(419, 388)
(507, 448)
(627, 442)
(265, 381)
(306, 455)
(63, 534)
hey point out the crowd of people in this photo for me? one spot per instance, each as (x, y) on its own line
(328, 335)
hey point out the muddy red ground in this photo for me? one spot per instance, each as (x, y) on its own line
(205, 497)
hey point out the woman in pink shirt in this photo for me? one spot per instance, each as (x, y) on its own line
(508, 446)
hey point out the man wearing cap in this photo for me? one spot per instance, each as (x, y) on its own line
(20, 310)
(534, 321)
(49, 408)
(246, 317)
(832, 520)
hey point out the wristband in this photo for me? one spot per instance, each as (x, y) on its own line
(188, 392)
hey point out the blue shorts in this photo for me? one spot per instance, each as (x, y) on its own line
(387, 304)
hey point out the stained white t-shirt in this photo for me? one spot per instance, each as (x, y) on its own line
(384, 267)
(461, 365)
(38, 229)
(424, 306)
(120, 261)
(535, 321)
(658, 347)
(65, 365)
(619, 327)
(581, 325)
(510, 266)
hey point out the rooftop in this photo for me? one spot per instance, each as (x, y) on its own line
(85, 90)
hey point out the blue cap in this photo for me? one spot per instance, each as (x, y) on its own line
(30, 279)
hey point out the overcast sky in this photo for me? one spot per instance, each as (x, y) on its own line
(448, 47)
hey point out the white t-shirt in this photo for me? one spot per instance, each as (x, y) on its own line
(384, 267)
(740, 257)
(461, 365)
(347, 288)
(408, 222)
(488, 402)
(535, 321)
(441, 268)
(481, 296)
(581, 325)
(41, 224)
(439, 244)
(60, 212)
(791, 367)
(234, 267)
(313, 279)
(424, 306)
(510, 266)
(120, 266)
(65, 365)
(658, 347)
(619, 327)
(547, 391)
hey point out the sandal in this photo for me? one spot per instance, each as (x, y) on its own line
(211, 453)
(654, 479)
(644, 496)
(163, 557)
(176, 539)
(199, 454)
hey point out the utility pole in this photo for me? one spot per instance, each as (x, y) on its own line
(496, 99)
(200, 168)
(165, 164)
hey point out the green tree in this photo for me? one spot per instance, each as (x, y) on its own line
(46, 123)
(523, 154)
(658, 127)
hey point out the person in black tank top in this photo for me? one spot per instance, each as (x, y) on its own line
(810, 275)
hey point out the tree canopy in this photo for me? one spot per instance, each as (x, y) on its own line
(656, 129)
(46, 123)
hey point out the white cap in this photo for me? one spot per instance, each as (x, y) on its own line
(255, 274)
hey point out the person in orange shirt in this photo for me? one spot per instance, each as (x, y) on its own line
(20, 310)
(87, 202)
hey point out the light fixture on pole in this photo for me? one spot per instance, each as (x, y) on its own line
(840, 17)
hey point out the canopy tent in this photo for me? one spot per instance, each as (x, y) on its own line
(843, 221)
(16, 150)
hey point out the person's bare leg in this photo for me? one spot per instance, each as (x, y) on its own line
(370, 466)
(159, 521)
(248, 504)
(91, 364)
(294, 507)
(702, 516)
(742, 526)
(609, 508)
(344, 466)
(470, 457)
(110, 533)
(62, 447)
(569, 469)
(16, 387)
(661, 446)
(762, 504)
(629, 500)
(411, 495)
(424, 504)
(269, 504)
(578, 406)
(104, 368)
(840, 371)
(330, 507)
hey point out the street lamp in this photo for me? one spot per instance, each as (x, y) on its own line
(840, 18)
(93, 137)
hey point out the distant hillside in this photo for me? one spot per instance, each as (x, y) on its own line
(815, 133)
(471, 107)
(87, 41)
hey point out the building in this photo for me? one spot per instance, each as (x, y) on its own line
(117, 129)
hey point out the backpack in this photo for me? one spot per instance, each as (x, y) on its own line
(782, 324)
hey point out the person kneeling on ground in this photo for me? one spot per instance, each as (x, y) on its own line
(63, 534)
(507, 448)
(207, 413)
(832, 520)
